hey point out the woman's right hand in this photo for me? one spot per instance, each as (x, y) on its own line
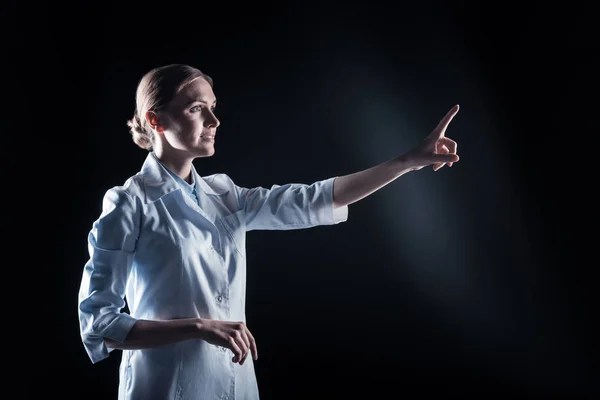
(233, 335)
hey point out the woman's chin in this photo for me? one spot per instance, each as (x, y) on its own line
(204, 151)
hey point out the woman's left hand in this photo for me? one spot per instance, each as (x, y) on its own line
(436, 149)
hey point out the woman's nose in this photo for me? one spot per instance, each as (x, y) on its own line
(212, 121)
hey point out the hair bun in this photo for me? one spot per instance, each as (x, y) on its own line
(140, 135)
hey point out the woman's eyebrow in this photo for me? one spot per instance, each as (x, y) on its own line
(191, 101)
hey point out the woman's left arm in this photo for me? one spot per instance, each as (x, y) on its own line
(436, 149)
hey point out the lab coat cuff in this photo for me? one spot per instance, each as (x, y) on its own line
(118, 331)
(333, 215)
(119, 328)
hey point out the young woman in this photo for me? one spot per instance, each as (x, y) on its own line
(172, 243)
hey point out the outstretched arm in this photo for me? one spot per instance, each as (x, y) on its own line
(436, 150)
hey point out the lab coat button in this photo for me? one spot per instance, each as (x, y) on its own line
(219, 298)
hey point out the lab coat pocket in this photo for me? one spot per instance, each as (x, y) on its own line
(235, 231)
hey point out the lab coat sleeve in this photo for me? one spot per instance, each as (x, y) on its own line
(290, 206)
(111, 244)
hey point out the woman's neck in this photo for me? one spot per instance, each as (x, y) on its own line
(182, 167)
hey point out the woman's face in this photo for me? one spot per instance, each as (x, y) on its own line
(189, 121)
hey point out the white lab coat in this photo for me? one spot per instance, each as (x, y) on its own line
(169, 257)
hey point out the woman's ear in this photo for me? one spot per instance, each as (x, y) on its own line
(152, 120)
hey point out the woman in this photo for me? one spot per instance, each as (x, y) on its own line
(172, 243)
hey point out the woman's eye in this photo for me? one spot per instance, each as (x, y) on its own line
(199, 108)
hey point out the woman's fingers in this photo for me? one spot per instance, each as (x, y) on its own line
(245, 342)
(244, 336)
(234, 345)
(451, 145)
(440, 130)
(253, 347)
(445, 146)
(241, 340)
(440, 149)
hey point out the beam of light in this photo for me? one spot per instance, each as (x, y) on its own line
(450, 232)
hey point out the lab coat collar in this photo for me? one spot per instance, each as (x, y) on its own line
(158, 182)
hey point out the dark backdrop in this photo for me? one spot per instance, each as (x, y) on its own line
(472, 279)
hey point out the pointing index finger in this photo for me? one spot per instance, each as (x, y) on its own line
(447, 119)
(440, 130)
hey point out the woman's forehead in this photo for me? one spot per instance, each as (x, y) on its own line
(197, 90)
(197, 87)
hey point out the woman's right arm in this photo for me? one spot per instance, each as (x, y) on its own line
(147, 334)
(111, 244)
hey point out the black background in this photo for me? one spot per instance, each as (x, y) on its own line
(473, 279)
